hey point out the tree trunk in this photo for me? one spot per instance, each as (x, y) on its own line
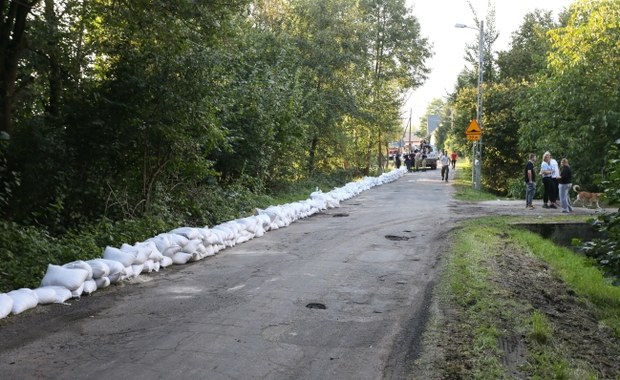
(12, 43)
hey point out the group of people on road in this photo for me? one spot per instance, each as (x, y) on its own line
(416, 160)
(556, 182)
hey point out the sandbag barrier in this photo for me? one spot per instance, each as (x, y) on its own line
(179, 246)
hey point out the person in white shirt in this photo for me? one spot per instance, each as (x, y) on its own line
(445, 165)
(547, 178)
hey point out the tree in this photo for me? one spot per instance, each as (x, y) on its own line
(574, 110)
(529, 46)
(13, 42)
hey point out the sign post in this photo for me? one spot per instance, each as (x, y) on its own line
(474, 133)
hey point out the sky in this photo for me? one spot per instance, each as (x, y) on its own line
(437, 19)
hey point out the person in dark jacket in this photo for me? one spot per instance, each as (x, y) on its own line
(564, 186)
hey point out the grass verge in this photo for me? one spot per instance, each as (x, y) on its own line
(514, 305)
(507, 290)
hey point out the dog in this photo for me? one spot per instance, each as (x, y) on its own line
(585, 196)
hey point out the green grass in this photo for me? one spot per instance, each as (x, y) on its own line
(579, 272)
(488, 312)
(542, 330)
(464, 186)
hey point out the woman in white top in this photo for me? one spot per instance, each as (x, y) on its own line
(546, 172)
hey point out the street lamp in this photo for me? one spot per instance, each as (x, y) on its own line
(477, 172)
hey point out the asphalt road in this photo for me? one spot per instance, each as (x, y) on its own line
(254, 311)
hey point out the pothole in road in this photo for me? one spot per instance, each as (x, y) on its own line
(340, 215)
(316, 305)
(396, 238)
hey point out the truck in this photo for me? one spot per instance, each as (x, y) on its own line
(432, 156)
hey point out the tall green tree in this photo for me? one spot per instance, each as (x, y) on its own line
(574, 111)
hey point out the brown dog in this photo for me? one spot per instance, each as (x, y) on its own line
(584, 196)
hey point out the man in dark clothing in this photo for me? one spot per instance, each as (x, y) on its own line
(530, 181)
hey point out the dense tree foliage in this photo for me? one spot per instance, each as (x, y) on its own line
(121, 109)
(556, 89)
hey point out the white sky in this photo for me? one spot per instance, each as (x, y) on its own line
(437, 19)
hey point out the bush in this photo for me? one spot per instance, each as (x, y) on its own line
(27, 250)
(516, 188)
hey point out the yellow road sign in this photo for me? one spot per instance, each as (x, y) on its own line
(473, 128)
(473, 137)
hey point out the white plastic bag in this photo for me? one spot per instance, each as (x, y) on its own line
(62, 293)
(125, 258)
(23, 299)
(6, 305)
(45, 295)
(99, 267)
(68, 278)
(79, 264)
(77, 293)
(180, 258)
(102, 282)
(90, 286)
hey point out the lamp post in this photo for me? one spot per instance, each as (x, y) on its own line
(477, 172)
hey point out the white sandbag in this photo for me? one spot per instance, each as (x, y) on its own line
(114, 278)
(192, 246)
(102, 282)
(114, 266)
(111, 253)
(165, 262)
(45, 295)
(23, 299)
(181, 258)
(6, 305)
(156, 266)
(209, 251)
(189, 232)
(137, 269)
(79, 264)
(127, 273)
(148, 266)
(77, 293)
(90, 286)
(65, 277)
(139, 255)
(99, 267)
(176, 244)
(151, 249)
(62, 293)
(161, 241)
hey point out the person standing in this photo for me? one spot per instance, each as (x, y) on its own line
(453, 158)
(445, 165)
(408, 162)
(565, 183)
(530, 181)
(546, 171)
(397, 160)
(555, 181)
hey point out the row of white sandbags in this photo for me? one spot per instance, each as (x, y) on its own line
(179, 246)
